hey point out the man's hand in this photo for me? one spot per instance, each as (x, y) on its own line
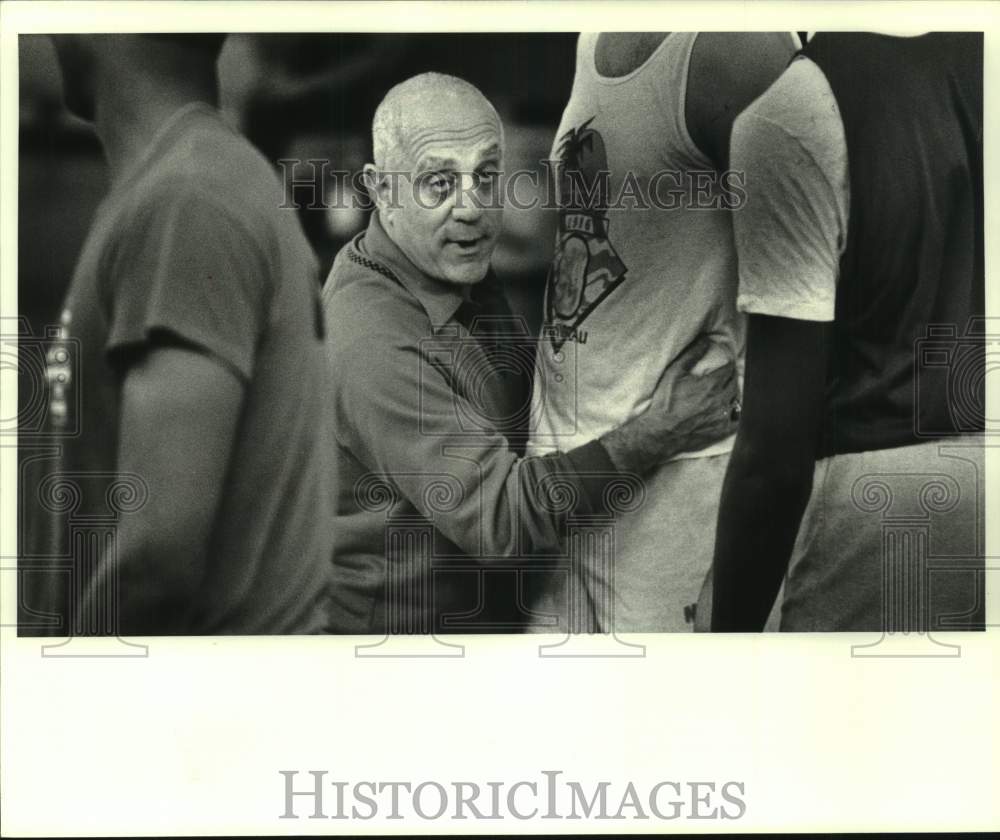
(698, 396)
(688, 411)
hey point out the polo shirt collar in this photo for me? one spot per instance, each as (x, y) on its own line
(440, 300)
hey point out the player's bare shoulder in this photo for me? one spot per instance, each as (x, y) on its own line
(728, 71)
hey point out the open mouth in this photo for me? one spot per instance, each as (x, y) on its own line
(467, 246)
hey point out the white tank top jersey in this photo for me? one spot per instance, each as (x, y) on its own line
(629, 287)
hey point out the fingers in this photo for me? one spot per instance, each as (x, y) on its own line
(714, 400)
(693, 353)
(705, 396)
(718, 355)
(714, 427)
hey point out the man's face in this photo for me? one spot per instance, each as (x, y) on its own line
(76, 61)
(447, 214)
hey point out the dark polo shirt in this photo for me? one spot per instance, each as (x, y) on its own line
(433, 497)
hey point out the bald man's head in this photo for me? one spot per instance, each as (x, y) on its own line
(438, 146)
(427, 103)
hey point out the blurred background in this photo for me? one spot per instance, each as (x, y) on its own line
(305, 97)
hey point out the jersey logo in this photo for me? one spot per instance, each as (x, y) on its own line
(586, 267)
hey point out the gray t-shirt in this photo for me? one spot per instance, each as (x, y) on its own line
(191, 246)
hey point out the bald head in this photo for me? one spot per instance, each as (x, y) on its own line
(438, 146)
(431, 104)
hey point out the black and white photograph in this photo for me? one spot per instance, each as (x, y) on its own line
(603, 343)
(306, 377)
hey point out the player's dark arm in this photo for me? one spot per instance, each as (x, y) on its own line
(769, 479)
(728, 71)
(180, 409)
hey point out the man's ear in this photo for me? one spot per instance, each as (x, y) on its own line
(379, 189)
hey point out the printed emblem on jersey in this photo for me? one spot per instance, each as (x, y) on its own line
(586, 267)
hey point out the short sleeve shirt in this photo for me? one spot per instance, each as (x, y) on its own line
(792, 230)
(191, 247)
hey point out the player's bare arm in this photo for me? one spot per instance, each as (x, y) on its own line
(180, 409)
(728, 71)
(770, 472)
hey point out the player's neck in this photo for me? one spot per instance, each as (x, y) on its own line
(128, 116)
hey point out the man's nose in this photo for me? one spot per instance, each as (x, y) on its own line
(468, 205)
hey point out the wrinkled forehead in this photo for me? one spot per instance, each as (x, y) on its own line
(460, 131)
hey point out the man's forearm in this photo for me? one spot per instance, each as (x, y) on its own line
(642, 443)
(770, 472)
(759, 516)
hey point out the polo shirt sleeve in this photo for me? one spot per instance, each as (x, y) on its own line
(396, 413)
(188, 269)
(791, 231)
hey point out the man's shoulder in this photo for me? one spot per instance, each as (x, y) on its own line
(201, 198)
(725, 48)
(801, 89)
(211, 165)
(209, 144)
(367, 311)
(727, 57)
(727, 72)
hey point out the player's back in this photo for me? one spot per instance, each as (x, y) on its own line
(273, 532)
(192, 241)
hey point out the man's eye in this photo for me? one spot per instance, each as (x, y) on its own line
(439, 183)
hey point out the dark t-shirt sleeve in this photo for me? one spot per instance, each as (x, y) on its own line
(187, 269)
